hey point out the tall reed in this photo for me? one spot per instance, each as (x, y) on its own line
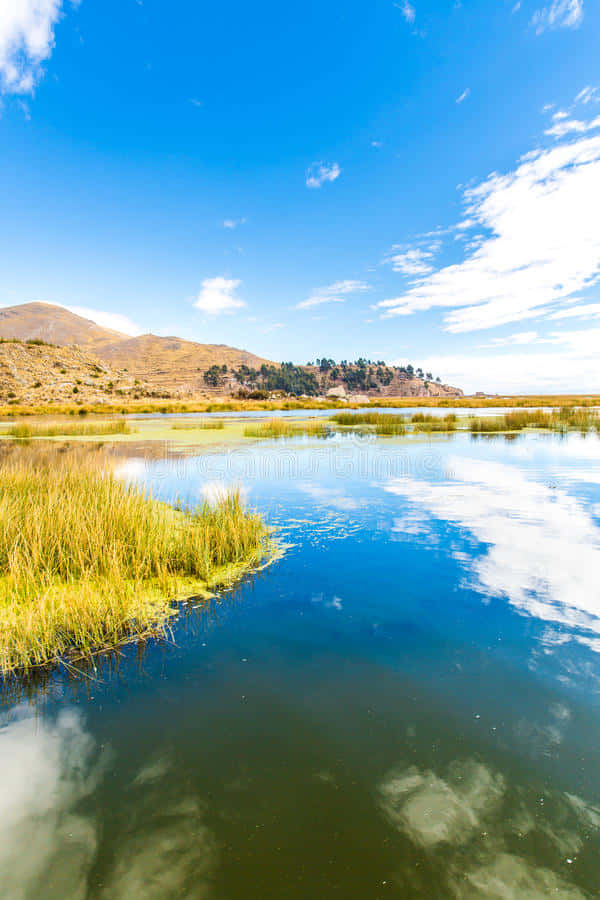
(69, 429)
(278, 428)
(87, 560)
(561, 419)
(368, 418)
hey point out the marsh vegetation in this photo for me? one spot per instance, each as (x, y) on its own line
(562, 419)
(69, 429)
(280, 428)
(87, 560)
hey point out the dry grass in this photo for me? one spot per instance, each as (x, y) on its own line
(69, 429)
(229, 405)
(87, 561)
(562, 419)
(370, 418)
(428, 423)
(279, 428)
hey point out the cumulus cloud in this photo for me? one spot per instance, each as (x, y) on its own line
(218, 295)
(318, 173)
(538, 244)
(26, 42)
(560, 14)
(333, 293)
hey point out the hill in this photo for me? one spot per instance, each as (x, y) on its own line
(166, 364)
(36, 374)
(100, 362)
(54, 325)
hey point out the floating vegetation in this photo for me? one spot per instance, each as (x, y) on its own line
(206, 424)
(87, 561)
(69, 429)
(278, 428)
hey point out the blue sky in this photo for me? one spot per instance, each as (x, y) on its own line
(402, 181)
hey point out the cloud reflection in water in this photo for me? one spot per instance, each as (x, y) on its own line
(543, 546)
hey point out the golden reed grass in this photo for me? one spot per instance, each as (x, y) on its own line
(87, 561)
(278, 428)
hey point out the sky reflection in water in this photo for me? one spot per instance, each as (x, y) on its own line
(405, 705)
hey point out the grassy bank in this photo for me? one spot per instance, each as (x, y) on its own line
(87, 561)
(230, 405)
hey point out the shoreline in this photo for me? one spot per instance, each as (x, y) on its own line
(224, 405)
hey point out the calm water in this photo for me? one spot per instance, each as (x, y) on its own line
(406, 705)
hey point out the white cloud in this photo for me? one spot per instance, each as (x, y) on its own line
(542, 548)
(334, 293)
(560, 14)
(581, 311)
(114, 321)
(412, 261)
(540, 248)
(318, 173)
(26, 42)
(233, 223)
(523, 337)
(407, 10)
(570, 364)
(218, 296)
(464, 95)
(563, 125)
(587, 95)
(49, 769)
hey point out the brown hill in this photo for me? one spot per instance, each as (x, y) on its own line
(53, 324)
(38, 374)
(176, 365)
(167, 363)
(104, 362)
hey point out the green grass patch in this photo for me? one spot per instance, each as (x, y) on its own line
(87, 561)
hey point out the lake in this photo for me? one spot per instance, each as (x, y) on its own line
(405, 704)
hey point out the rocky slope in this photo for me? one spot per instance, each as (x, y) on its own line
(35, 375)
